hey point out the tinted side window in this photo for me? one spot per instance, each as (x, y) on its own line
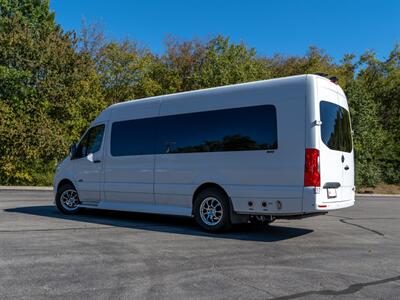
(133, 137)
(91, 142)
(335, 128)
(238, 129)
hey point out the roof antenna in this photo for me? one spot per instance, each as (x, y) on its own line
(334, 79)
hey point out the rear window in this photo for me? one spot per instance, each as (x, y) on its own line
(335, 128)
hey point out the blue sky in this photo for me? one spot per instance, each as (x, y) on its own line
(287, 26)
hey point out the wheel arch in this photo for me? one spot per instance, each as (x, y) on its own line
(208, 185)
(64, 182)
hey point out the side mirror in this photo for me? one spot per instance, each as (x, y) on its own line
(90, 157)
(72, 150)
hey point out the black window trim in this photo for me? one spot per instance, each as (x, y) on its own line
(86, 131)
(156, 132)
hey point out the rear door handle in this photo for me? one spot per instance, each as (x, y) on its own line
(346, 168)
(332, 185)
(96, 161)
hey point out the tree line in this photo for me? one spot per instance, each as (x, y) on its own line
(53, 83)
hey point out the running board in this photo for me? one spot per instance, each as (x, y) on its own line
(142, 208)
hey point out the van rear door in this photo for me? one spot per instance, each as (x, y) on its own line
(336, 149)
(348, 189)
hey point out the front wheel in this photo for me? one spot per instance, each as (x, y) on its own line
(67, 199)
(211, 210)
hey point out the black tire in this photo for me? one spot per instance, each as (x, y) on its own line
(59, 202)
(222, 203)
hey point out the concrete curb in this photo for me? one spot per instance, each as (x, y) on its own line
(378, 195)
(49, 188)
(25, 188)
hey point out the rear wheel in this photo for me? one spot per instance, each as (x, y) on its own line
(211, 210)
(67, 199)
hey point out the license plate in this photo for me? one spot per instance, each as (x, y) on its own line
(332, 193)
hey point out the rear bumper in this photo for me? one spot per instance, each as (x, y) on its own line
(316, 200)
(332, 205)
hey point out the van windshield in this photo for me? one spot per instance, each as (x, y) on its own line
(335, 128)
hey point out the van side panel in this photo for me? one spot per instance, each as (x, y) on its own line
(129, 179)
(155, 179)
(255, 176)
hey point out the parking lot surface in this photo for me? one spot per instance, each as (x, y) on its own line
(352, 253)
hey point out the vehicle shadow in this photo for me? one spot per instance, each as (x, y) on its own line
(168, 224)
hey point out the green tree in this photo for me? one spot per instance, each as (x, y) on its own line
(315, 61)
(125, 69)
(53, 83)
(122, 68)
(196, 64)
(382, 79)
(368, 136)
(48, 92)
(229, 63)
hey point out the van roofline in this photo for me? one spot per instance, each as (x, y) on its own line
(106, 112)
(217, 88)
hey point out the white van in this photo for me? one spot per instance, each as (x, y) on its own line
(269, 149)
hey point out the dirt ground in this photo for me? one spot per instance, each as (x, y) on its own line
(390, 189)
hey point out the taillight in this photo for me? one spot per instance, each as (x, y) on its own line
(311, 168)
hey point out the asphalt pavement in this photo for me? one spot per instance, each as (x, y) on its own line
(352, 253)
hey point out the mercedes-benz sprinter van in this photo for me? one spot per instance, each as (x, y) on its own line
(266, 149)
